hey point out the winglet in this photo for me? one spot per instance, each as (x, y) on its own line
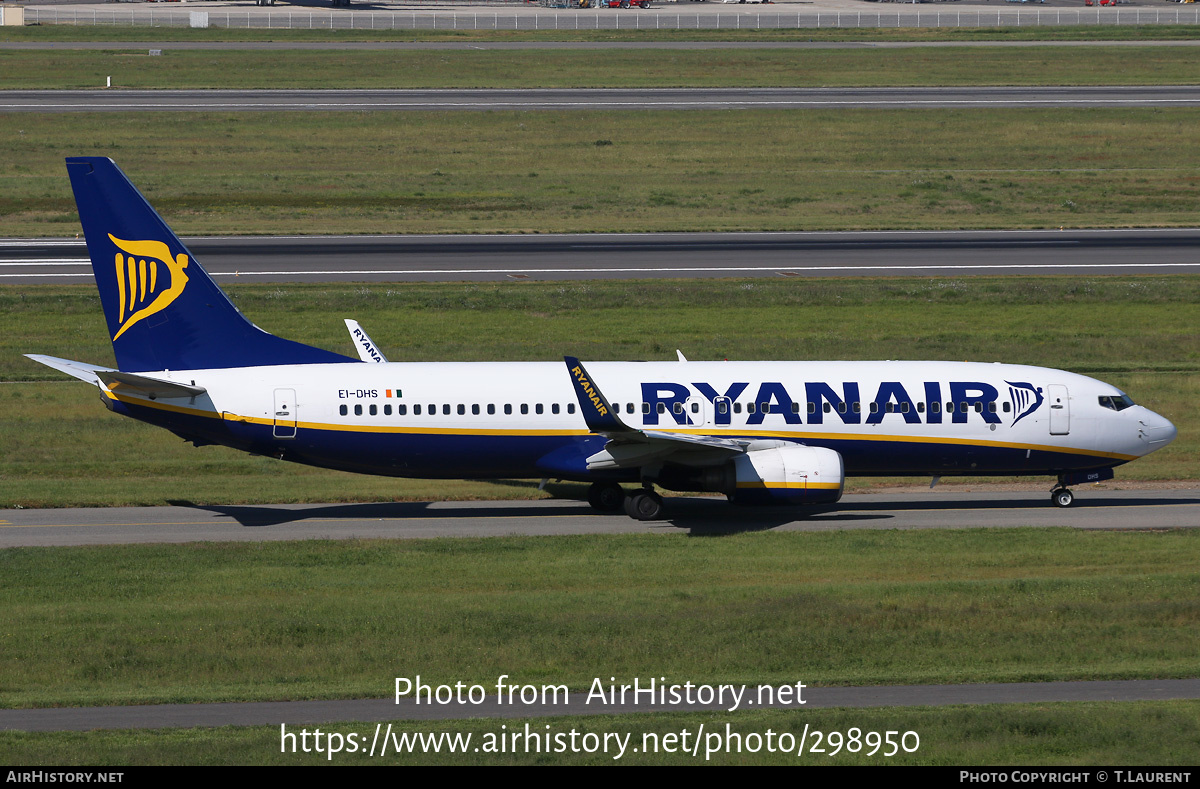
(368, 351)
(597, 412)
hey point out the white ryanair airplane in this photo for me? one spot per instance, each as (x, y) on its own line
(759, 432)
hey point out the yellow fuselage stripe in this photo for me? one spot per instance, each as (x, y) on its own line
(453, 431)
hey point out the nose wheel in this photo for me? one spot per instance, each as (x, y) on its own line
(1062, 497)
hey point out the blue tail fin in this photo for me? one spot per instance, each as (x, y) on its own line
(163, 310)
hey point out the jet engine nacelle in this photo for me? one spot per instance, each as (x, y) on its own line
(788, 475)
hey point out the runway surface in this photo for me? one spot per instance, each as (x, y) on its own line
(937, 509)
(296, 713)
(441, 100)
(631, 256)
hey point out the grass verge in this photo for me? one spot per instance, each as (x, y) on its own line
(340, 69)
(63, 449)
(273, 620)
(422, 172)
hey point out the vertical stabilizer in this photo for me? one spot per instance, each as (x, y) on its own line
(163, 310)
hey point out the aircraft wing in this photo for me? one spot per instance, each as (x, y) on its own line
(628, 446)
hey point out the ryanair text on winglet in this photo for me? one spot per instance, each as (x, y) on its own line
(592, 394)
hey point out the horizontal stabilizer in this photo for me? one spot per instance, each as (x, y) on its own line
(154, 388)
(80, 370)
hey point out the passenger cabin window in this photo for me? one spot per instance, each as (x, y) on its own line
(343, 410)
(508, 408)
(374, 409)
(402, 409)
(524, 408)
(358, 410)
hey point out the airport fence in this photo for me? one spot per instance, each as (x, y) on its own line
(632, 19)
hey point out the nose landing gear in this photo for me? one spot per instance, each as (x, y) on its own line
(1062, 497)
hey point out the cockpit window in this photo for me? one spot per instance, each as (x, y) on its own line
(1116, 402)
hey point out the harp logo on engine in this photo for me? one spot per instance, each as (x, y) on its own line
(149, 278)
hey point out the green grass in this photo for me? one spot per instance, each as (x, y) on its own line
(247, 621)
(1058, 735)
(279, 173)
(177, 69)
(63, 449)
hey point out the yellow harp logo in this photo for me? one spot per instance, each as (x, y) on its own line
(149, 278)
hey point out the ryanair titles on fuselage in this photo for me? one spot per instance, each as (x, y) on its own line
(825, 402)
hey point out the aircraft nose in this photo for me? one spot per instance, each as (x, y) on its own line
(1157, 430)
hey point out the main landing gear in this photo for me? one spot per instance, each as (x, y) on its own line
(609, 497)
(606, 496)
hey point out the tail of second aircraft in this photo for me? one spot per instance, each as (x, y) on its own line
(163, 310)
